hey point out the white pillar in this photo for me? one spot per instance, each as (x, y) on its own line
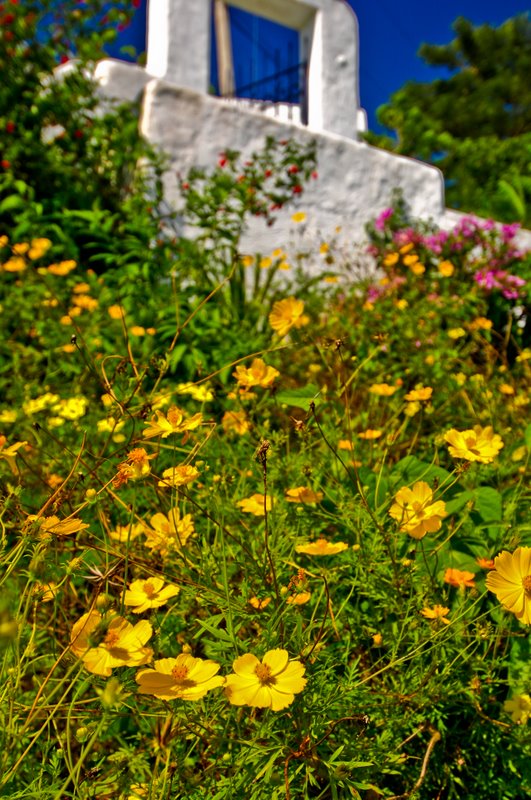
(178, 42)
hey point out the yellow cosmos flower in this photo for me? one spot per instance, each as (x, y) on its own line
(459, 578)
(146, 594)
(446, 268)
(480, 324)
(298, 216)
(258, 374)
(38, 248)
(15, 264)
(135, 468)
(420, 393)
(456, 333)
(200, 392)
(298, 599)
(103, 643)
(415, 510)
(519, 707)
(174, 422)
(382, 389)
(437, 613)
(179, 476)
(116, 312)
(62, 268)
(321, 547)
(9, 451)
(287, 314)
(235, 421)
(259, 603)
(270, 683)
(507, 389)
(53, 526)
(255, 504)
(303, 494)
(169, 533)
(370, 433)
(137, 330)
(181, 678)
(510, 580)
(390, 259)
(478, 444)
(126, 533)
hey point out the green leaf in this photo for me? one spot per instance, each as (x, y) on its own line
(411, 469)
(458, 502)
(488, 504)
(300, 398)
(12, 202)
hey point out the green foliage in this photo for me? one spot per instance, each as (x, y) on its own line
(475, 125)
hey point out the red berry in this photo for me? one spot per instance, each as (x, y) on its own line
(10, 127)
(293, 169)
(5, 164)
(297, 189)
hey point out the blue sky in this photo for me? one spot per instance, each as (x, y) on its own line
(390, 35)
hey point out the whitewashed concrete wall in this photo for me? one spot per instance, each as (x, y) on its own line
(355, 180)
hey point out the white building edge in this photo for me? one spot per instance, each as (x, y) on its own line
(192, 127)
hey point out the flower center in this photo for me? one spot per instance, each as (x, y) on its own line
(526, 583)
(418, 508)
(149, 589)
(471, 445)
(111, 638)
(263, 673)
(180, 676)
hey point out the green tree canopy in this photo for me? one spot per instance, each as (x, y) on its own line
(476, 124)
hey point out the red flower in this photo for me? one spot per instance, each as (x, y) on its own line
(8, 19)
(5, 164)
(297, 189)
(293, 169)
(10, 127)
(222, 161)
(268, 173)
(63, 59)
(78, 134)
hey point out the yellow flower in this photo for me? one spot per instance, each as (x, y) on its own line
(480, 324)
(390, 259)
(298, 599)
(15, 264)
(265, 262)
(420, 393)
(324, 248)
(173, 422)
(287, 314)
(321, 547)
(38, 248)
(235, 421)
(247, 260)
(485, 563)
(415, 510)
(370, 433)
(200, 392)
(410, 260)
(270, 683)
(181, 678)
(126, 533)
(406, 248)
(81, 288)
(137, 330)
(510, 580)
(135, 468)
(456, 333)
(478, 444)
(255, 504)
(9, 451)
(446, 268)
(345, 444)
(116, 312)
(58, 527)
(258, 374)
(519, 707)
(169, 533)
(62, 268)
(382, 389)
(298, 216)
(146, 594)
(507, 389)
(436, 612)
(259, 603)
(106, 642)
(303, 494)
(71, 408)
(459, 578)
(179, 476)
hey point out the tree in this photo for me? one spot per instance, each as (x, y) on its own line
(476, 124)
